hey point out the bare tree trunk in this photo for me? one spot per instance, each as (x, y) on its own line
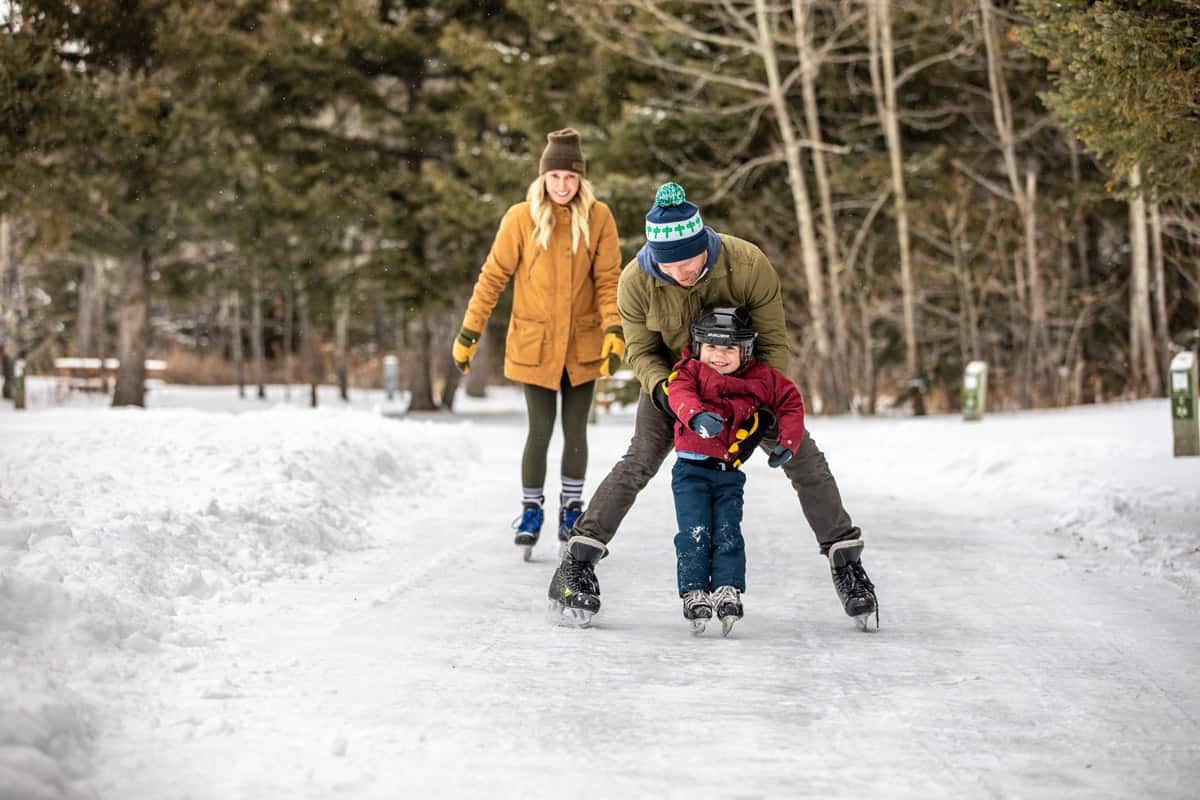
(1143, 363)
(1194, 243)
(379, 326)
(289, 368)
(421, 379)
(133, 331)
(341, 332)
(481, 367)
(1023, 195)
(1073, 392)
(1038, 346)
(235, 339)
(257, 349)
(839, 399)
(85, 319)
(956, 222)
(308, 342)
(107, 267)
(800, 198)
(1037, 297)
(869, 368)
(1078, 224)
(12, 303)
(1162, 325)
(883, 79)
(868, 353)
(447, 329)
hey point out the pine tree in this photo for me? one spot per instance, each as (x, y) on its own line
(1126, 77)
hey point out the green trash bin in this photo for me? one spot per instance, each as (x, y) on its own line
(1185, 421)
(974, 390)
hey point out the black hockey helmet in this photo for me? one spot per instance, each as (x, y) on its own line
(724, 325)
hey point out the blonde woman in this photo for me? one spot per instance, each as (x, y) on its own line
(560, 249)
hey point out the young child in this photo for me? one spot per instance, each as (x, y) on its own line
(725, 401)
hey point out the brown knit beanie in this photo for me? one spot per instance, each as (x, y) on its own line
(562, 152)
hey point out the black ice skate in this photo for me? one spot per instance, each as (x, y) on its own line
(727, 601)
(854, 588)
(529, 527)
(697, 609)
(574, 591)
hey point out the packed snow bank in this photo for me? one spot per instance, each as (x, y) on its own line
(111, 520)
(1103, 476)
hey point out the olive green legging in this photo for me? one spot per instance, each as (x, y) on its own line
(541, 404)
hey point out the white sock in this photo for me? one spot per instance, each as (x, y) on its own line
(572, 489)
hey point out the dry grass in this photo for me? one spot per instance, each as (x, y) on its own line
(190, 368)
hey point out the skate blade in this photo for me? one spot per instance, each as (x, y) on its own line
(526, 551)
(727, 624)
(558, 614)
(698, 626)
(863, 621)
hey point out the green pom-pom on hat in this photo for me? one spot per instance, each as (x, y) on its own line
(670, 194)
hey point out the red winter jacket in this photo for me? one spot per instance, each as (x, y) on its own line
(698, 387)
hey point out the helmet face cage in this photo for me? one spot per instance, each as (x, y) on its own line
(725, 326)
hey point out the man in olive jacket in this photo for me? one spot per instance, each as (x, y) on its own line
(684, 267)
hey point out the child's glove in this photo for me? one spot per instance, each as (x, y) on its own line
(613, 350)
(779, 456)
(707, 424)
(465, 345)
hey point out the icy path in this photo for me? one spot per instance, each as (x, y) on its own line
(1012, 662)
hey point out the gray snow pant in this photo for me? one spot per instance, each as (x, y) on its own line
(654, 439)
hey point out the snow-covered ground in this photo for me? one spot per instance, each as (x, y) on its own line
(219, 598)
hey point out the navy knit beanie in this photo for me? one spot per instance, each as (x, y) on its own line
(674, 230)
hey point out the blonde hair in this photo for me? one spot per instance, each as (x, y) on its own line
(541, 208)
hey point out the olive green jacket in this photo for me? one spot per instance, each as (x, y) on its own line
(657, 315)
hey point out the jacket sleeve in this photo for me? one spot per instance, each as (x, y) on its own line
(788, 406)
(502, 261)
(683, 393)
(764, 299)
(643, 347)
(606, 268)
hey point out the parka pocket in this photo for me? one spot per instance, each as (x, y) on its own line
(666, 321)
(589, 338)
(525, 338)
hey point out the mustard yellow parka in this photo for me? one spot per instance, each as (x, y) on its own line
(562, 303)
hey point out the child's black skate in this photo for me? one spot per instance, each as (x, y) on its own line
(727, 601)
(574, 591)
(529, 527)
(854, 588)
(697, 609)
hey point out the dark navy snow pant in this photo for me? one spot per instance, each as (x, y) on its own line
(709, 548)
